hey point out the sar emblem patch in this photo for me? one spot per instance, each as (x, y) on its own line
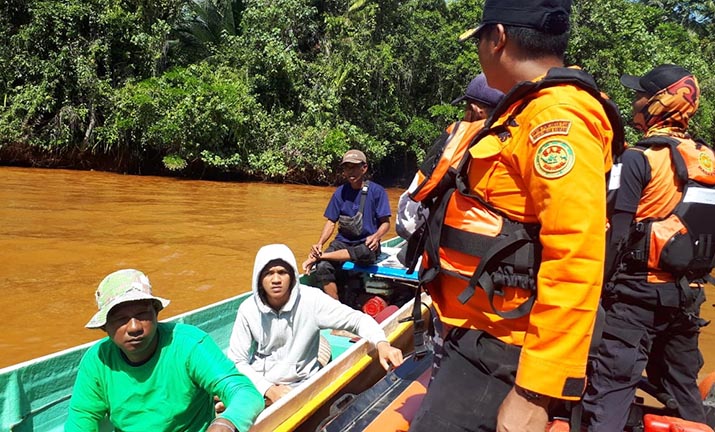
(550, 128)
(706, 163)
(554, 159)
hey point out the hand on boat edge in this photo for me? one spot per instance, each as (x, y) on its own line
(275, 392)
(389, 355)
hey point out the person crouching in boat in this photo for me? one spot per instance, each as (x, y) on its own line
(151, 376)
(284, 319)
(361, 211)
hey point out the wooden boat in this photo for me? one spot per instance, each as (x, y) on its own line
(34, 395)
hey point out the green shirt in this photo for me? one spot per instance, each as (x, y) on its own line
(173, 391)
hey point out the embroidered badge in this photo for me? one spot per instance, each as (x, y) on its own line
(706, 163)
(554, 159)
(553, 127)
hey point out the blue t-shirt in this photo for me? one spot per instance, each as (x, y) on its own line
(346, 202)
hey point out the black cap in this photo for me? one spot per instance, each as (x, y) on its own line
(548, 16)
(656, 80)
(479, 91)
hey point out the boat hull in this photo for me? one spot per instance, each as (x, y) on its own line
(34, 395)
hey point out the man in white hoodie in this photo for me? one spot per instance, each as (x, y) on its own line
(284, 318)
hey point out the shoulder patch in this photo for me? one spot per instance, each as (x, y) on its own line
(549, 128)
(706, 163)
(554, 159)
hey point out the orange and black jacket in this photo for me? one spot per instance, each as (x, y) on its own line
(442, 160)
(649, 188)
(545, 163)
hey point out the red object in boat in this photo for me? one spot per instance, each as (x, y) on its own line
(374, 305)
(657, 423)
(558, 425)
(707, 386)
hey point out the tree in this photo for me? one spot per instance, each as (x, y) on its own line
(278, 90)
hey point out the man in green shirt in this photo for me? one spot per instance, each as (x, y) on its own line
(151, 376)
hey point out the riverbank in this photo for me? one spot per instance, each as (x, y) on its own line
(383, 171)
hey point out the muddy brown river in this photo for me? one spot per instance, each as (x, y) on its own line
(62, 231)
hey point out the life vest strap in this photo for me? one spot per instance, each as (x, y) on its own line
(485, 276)
(479, 245)
(419, 326)
(681, 169)
(691, 299)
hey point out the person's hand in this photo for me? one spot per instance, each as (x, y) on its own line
(389, 355)
(308, 264)
(316, 250)
(219, 406)
(517, 413)
(275, 392)
(372, 242)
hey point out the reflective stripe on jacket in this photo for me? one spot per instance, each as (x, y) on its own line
(673, 220)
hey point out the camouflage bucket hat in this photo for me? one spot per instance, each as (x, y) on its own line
(120, 287)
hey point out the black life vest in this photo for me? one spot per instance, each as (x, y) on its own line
(683, 242)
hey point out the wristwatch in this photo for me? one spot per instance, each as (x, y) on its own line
(528, 394)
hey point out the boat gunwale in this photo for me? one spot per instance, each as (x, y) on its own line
(316, 392)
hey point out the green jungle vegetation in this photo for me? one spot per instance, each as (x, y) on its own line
(278, 90)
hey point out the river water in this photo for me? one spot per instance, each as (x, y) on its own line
(62, 231)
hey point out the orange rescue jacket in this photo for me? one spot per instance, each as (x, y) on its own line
(673, 233)
(440, 165)
(538, 169)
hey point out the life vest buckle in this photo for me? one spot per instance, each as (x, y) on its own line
(640, 228)
(638, 255)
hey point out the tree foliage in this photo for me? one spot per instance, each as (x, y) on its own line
(278, 90)
(615, 37)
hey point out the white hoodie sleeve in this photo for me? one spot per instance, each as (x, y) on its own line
(239, 352)
(332, 314)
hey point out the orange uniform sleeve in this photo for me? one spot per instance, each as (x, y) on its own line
(563, 156)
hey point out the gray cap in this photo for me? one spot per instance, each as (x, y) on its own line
(354, 156)
(479, 91)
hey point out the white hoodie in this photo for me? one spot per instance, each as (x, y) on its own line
(286, 341)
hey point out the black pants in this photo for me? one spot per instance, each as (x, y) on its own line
(476, 373)
(359, 254)
(639, 336)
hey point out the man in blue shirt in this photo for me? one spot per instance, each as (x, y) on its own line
(361, 211)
